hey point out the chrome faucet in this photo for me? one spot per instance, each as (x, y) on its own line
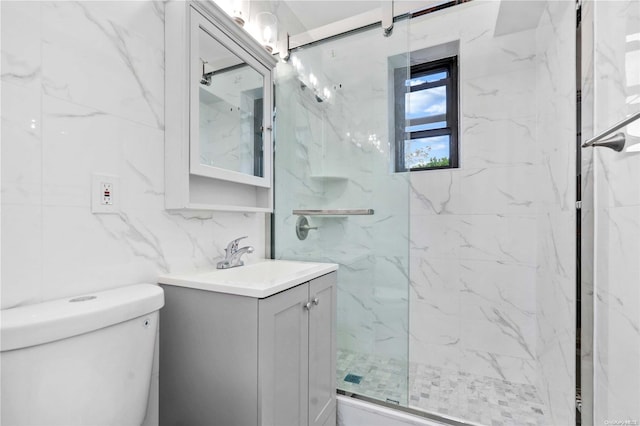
(233, 255)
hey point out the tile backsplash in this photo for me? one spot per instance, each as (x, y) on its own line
(83, 93)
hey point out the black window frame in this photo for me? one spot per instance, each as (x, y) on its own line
(450, 64)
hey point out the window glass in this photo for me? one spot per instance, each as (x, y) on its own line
(427, 152)
(426, 103)
(426, 126)
(426, 114)
(427, 78)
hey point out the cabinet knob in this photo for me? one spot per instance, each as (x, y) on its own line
(307, 306)
(316, 301)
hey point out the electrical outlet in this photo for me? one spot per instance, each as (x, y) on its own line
(104, 193)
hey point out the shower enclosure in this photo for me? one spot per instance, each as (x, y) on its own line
(333, 156)
(456, 287)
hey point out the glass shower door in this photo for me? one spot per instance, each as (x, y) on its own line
(334, 154)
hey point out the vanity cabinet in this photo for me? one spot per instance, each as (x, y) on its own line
(232, 360)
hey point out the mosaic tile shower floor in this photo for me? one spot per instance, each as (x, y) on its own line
(456, 394)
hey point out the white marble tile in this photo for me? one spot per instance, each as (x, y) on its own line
(616, 312)
(496, 285)
(21, 145)
(490, 54)
(556, 53)
(557, 371)
(197, 240)
(500, 190)
(436, 321)
(557, 187)
(436, 236)
(21, 255)
(447, 357)
(497, 238)
(426, 31)
(95, 142)
(500, 329)
(429, 276)
(617, 171)
(488, 142)
(555, 290)
(84, 252)
(498, 366)
(21, 43)
(489, 94)
(125, 77)
(435, 192)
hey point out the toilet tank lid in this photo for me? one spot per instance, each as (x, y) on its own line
(45, 322)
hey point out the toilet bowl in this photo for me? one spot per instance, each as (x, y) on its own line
(81, 360)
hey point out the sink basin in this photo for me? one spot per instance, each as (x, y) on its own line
(261, 279)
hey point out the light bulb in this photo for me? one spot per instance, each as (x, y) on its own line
(267, 26)
(266, 34)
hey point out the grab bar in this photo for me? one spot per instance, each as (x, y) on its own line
(615, 142)
(335, 212)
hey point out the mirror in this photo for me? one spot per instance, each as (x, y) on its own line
(229, 97)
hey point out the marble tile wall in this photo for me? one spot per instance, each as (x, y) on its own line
(492, 269)
(82, 93)
(473, 229)
(613, 76)
(556, 214)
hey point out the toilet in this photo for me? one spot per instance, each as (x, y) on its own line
(80, 360)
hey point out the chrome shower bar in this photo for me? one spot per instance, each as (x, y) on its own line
(334, 212)
(616, 141)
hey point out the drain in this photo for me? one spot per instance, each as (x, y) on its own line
(353, 378)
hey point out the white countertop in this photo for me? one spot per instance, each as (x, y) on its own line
(260, 279)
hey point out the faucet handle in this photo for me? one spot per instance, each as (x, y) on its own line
(233, 245)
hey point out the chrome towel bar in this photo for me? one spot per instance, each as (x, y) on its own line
(334, 212)
(615, 142)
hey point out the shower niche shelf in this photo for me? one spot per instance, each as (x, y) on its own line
(214, 65)
(331, 178)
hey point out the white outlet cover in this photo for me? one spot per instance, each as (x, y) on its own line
(98, 182)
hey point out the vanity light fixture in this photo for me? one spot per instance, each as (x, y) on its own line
(267, 30)
(240, 11)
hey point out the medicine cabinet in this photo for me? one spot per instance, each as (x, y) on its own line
(218, 112)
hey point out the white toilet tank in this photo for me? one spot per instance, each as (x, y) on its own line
(81, 360)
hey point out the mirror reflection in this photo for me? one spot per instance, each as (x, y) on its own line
(231, 110)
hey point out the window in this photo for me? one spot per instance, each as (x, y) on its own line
(426, 116)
